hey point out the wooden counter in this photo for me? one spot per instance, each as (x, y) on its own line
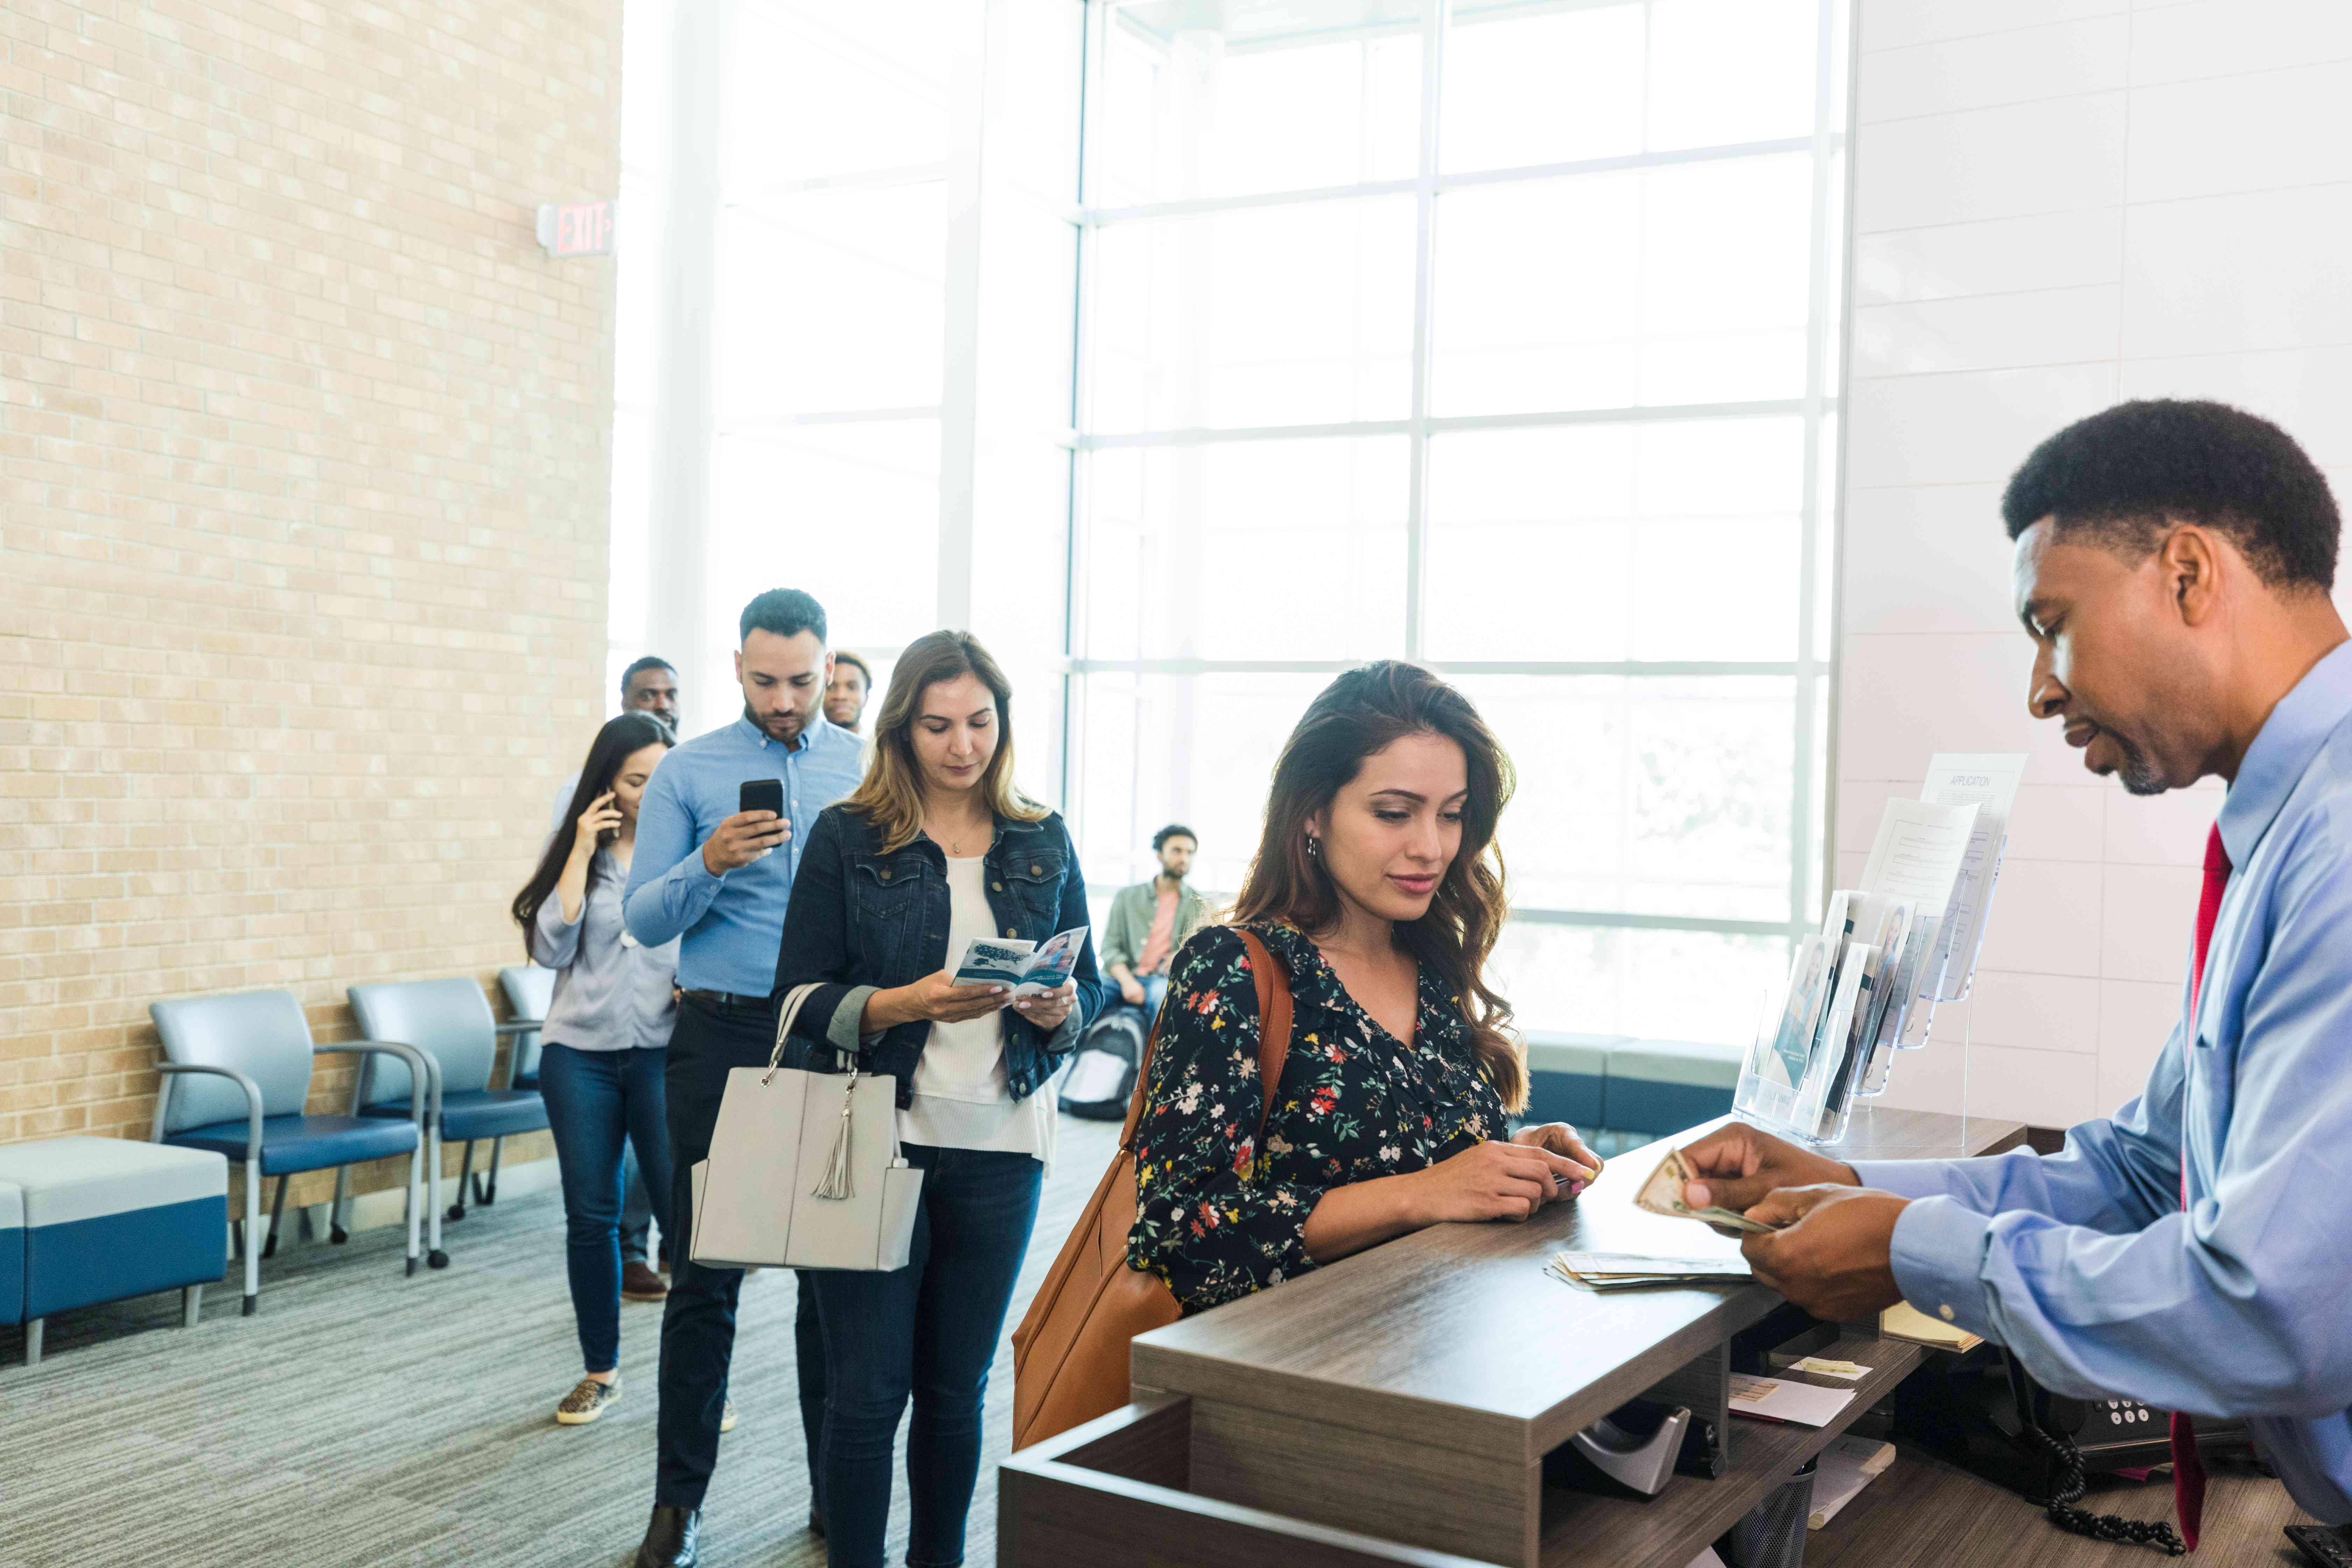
(1396, 1406)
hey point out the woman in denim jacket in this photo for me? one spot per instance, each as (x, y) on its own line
(936, 848)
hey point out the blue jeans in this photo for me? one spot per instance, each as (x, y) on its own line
(636, 1211)
(596, 1102)
(928, 1330)
(699, 1321)
(1155, 992)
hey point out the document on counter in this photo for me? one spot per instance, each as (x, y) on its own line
(1778, 1399)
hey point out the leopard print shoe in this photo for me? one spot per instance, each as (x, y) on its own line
(587, 1401)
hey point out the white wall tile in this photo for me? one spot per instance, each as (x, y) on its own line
(2044, 327)
(2224, 37)
(2166, 829)
(2045, 1089)
(2058, 821)
(2307, 390)
(1998, 255)
(1927, 1080)
(1926, 558)
(1973, 427)
(2061, 156)
(2045, 920)
(2035, 1011)
(1987, 71)
(2148, 921)
(2267, 130)
(1903, 698)
(2135, 1019)
(1895, 24)
(2229, 274)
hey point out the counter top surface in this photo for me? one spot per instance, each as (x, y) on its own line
(1458, 1330)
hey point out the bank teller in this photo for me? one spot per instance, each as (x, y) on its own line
(2173, 565)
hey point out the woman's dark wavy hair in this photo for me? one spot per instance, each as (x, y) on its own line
(1358, 714)
(615, 743)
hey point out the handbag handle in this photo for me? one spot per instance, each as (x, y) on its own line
(794, 999)
(1272, 984)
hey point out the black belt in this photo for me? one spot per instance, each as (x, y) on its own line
(731, 1001)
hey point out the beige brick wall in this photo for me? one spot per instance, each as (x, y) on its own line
(303, 479)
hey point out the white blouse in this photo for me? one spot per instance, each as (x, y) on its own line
(961, 1099)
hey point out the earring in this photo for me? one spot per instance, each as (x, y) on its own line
(1314, 848)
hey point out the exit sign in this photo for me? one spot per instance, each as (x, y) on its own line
(576, 229)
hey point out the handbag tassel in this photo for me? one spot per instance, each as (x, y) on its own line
(835, 1183)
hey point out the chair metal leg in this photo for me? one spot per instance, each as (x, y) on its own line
(416, 1200)
(248, 1233)
(465, 1181)
(434, 1257)
(33, 1341)
(192, 1305)
(336, 1233)
(277, 1210)
(498, 1153)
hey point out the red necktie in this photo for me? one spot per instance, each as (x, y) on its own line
(2187, 1467)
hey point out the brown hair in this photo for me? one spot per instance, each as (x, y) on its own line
(1358, 714)
(891, 797)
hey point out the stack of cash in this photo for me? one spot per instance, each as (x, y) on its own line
(1662, 1194)
(1632, 1271)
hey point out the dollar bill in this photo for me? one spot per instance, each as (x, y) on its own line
(1662, 1194)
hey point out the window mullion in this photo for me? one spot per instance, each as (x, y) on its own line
(1424, 302)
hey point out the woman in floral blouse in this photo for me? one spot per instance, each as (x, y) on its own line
(1377, 889)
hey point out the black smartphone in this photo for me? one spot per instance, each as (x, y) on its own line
(763, 794)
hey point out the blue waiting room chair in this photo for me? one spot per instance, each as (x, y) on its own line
(449, 1022)
(259, 1043)
(530, 991)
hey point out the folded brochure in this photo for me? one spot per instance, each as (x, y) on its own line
(1030, 968)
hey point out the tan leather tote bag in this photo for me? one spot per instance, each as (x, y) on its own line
(1070, 1353)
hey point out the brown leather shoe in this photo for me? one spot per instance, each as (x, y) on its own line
(639, 1283)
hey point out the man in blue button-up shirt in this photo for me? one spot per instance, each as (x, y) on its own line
(2174, 562)
(720, 877)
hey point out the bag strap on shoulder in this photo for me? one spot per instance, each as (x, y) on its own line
(1272, 984)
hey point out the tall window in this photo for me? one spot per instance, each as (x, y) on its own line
(1497, 335)
(833, 248)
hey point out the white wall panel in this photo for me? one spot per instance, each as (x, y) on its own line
(2058, 206)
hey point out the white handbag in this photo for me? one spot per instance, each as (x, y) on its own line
(804, 1170)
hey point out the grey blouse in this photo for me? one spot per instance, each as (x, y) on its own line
(611, 993)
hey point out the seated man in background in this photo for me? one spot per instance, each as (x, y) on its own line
(2173, 565)
(648, 685)
(1149, 920)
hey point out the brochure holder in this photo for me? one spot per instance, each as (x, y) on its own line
(1859, 991)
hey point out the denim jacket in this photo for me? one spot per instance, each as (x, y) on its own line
(862, 921)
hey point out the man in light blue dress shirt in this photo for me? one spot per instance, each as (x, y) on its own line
(720, 877)
(2194, 1251)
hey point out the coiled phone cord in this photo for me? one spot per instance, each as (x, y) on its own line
(2155, 1534)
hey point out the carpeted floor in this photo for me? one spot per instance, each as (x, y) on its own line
(366, 1419)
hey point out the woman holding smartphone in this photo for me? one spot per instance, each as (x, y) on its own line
(937, 848)
(1378, 890)
(606, 1036)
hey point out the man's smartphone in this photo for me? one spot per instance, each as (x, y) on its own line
(763, 794)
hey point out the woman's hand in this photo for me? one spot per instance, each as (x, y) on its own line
(1495, 1181)
(1561, 1139)
(935, 998)
(602, 816)
(1048, 1010)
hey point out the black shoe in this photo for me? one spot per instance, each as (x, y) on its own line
(672, 1536)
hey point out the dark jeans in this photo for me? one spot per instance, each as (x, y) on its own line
(698, 1320)
(596, 1102)
(929, 1330)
